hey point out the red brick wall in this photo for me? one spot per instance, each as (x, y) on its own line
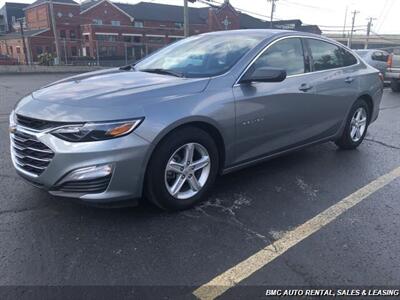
(69, 19)
(107, 13)
(216, 18)
(38, 17)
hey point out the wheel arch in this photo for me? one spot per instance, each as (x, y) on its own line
(206, 124)
(370, 103)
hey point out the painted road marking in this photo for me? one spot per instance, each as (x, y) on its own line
(223, 282)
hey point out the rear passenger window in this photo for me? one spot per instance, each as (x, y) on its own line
(286, 54)
(325, 55)
(348, 58)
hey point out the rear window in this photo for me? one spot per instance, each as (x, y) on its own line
(329, 56)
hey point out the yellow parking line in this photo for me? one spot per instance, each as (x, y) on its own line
(244, 269)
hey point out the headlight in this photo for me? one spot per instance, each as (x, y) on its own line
(90, 132)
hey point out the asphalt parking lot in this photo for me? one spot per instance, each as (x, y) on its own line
(47, 241)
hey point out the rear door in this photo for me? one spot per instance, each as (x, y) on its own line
(336, 79)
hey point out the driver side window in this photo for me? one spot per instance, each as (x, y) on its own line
(286, 54)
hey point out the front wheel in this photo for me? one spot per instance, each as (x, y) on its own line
(182, 169)
(356, 126)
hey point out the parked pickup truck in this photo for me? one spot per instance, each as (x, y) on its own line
(393, 71)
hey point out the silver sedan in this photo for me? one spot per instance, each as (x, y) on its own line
(163, 129)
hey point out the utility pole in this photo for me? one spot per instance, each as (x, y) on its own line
(273, 8)
(53, 23)
(369, 31)
(345, 21)
(65, 52)
(97, 53)
(21, 26)
(355, 12)
(186, 17)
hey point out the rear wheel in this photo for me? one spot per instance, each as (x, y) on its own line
(395, 85)
(356, 126)
(182, 169)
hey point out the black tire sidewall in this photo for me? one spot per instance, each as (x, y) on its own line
(156, 190)
(395, 85)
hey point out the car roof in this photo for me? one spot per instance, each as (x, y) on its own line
(270, 34)
(267, 33)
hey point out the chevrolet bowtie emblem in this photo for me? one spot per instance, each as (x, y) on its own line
(12, 129)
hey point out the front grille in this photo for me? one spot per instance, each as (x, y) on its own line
(94, 186)
(37, 124)
(30, 154)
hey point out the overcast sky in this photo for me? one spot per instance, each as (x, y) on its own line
(329, 14)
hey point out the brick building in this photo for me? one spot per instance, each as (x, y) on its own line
(110, 30)
(10, 13)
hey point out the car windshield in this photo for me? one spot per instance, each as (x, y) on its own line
(199, 56)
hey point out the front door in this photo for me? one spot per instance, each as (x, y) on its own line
(273, 117)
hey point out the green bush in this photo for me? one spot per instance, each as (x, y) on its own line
(46, 59)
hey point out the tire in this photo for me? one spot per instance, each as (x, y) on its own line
(349, 140)
(395, 85)
(172, 151)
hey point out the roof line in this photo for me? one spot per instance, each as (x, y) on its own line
(40, 32)
(113, 4)
(44, 2)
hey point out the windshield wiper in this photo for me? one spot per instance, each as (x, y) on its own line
(164, 72)
(128, 67)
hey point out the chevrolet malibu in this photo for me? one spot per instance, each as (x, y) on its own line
(164, 128)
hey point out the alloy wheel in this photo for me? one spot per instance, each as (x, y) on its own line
(358, 124)
(187, 171)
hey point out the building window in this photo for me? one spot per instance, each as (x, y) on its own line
(59, 14)
(97, 22)
(155, 39)
(106, 37)
(18, 50)
(86, 37)
(63, 34)
(74, 51)
(116, 23)
(11, 50)
(72, 34)
(108, 51)
(179, 25)
(70, 15)
(133, 39)
(39, 50)
(138, 24)
(128, 39)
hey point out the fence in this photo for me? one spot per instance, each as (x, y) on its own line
(81, 52)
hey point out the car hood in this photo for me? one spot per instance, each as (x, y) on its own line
(106, 95)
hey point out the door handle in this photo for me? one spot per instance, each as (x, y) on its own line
(349, 80)
(305, 87)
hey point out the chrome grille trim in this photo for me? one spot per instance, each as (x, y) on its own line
(29, 155)
(30, 148)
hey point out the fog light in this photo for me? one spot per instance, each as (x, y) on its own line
(88, 173)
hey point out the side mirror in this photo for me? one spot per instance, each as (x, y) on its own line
(264, 74)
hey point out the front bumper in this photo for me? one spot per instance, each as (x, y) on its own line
(127, 156)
